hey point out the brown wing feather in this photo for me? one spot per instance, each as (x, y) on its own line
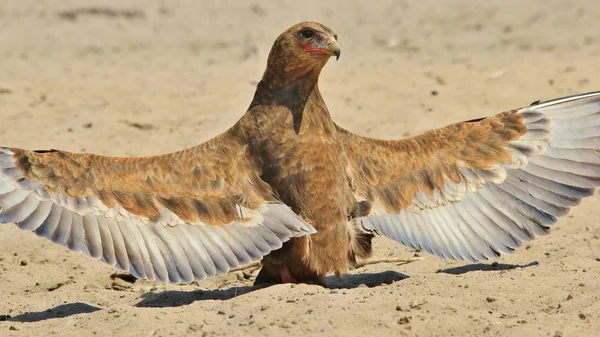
(392, 172)
(200, 184)
(473, 190)
(174, 218)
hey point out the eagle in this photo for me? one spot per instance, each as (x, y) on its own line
(287, 186)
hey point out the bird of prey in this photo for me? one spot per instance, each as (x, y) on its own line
(287, 186)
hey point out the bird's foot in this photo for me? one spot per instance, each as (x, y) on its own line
(286, 276)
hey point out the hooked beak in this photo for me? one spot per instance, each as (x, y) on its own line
(334, 47)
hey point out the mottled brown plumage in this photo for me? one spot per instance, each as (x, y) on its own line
(287, 185)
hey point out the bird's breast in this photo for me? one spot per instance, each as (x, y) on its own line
(308, 174)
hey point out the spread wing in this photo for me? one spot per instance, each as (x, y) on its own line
(174, 218)
(473, 190)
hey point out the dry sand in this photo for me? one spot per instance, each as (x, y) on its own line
(154, 76)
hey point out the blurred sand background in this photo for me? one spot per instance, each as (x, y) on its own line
(148, 76)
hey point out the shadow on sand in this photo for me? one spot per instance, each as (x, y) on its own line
(61, 311)
(486, 267)
(173, 298)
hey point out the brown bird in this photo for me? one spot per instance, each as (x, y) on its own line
(287, 186)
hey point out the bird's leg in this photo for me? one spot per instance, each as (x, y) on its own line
(286, 275)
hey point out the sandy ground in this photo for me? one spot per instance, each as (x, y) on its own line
(154, 76)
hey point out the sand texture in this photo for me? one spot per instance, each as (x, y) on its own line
(145, 77)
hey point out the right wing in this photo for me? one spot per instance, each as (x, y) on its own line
(173, 218)
(473, 190)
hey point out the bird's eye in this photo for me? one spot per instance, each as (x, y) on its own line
(307, 34)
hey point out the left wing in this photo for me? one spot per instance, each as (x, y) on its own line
(176, 217)
(473, 190)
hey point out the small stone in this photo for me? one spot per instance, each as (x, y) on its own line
(194, 327)
(220, 312)
(582, 315)
(90, 287)
(569, 297)
(490, 299)
(264, 307)
(23, 262)
(558, 334)
(120, 285)
(55, 286)
(404, 320)
(417, 304)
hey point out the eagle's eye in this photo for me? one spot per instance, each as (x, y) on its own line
(307, 34)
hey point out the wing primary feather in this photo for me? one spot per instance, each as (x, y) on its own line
(263, 246)
(495, 247)
(566, 178)
(37, 217)
(403, 233)
(76, 238)
(251, 250)
(49, 225)
(236, 247)
(453, 227)
(119, 244)
(503, 216)
(499, 239)
(62, 231)
(543, 194)
(441, 242)
(208, 265)
(191, 256)
(157, 261)
(479, 249)
(275, 226)
(93, 239)
(453, 245)
(216, 255)
(108, 248)
(5, 187)
(539, 221)
(565, 190)
(424, 242)
(10, 199)
(132, 248)
(172, 273)
(134, 225)
(20, 211)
